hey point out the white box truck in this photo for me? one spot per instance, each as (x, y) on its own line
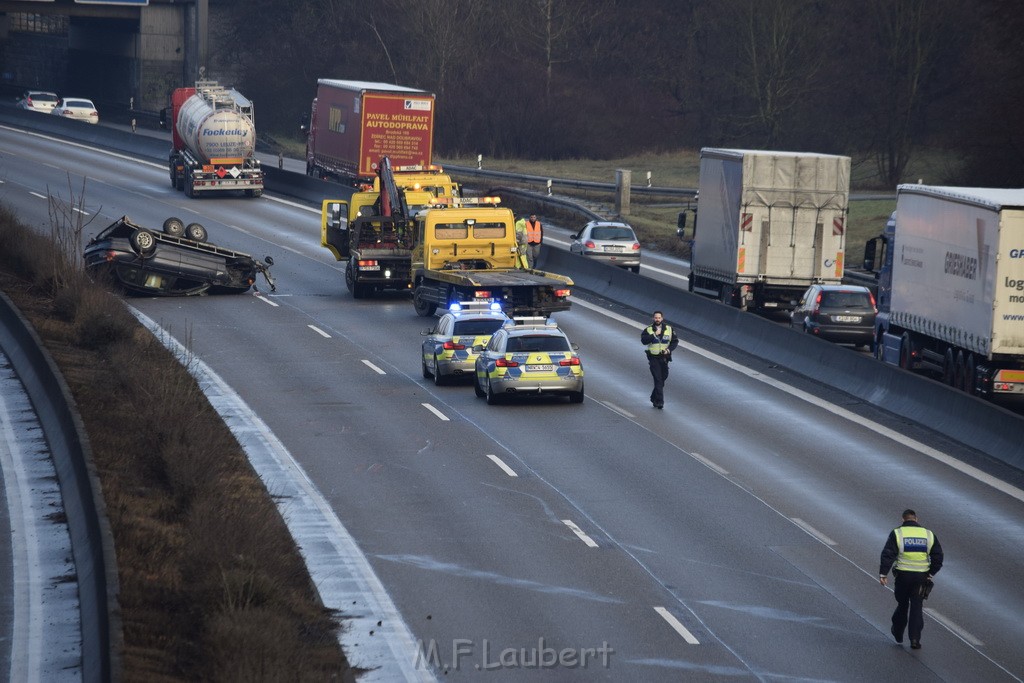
(951, 286)
(769, 224)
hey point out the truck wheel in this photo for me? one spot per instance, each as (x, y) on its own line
(143, 242)
(961, 372)
(254, 193)
(174, 227)
(196, 232)
(689, 283)
(180, 182)
(906, 352)
(174, 177)
(423, 308)
(949, 368)
(970, 372)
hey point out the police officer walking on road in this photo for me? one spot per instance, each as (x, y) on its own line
(915, 556)
(660, 341)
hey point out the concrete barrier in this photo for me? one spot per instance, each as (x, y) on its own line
(92, 542)
(969, 420)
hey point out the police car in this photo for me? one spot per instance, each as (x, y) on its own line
(529, 356)
(448, 349)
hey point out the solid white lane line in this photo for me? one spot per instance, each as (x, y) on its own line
(952, 626)
(891, 434)
(500, 463)
(36, 194)
(84, 213)
(435, 411)
(812, 531)
(618, 409)
(373, 367)
(675, 624)
(318, 331)
(591, 543)
(707, 463)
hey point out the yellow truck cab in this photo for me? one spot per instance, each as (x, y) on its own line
(469, 252)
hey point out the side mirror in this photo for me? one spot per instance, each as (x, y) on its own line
(269, 260)
(574, 237)
(425, 332)
(304, 124)
(478, 348)
(575, 346)
(870, 249)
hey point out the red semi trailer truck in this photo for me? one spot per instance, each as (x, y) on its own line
(353, 124)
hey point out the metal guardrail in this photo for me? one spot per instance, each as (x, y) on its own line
(568, 182)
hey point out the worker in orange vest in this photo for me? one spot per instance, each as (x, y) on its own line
(534, 237)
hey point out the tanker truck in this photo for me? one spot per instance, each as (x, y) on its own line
(214, 140)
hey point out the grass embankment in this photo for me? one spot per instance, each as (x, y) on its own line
(655, 218)
(212, 586)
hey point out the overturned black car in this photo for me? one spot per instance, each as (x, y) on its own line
(179, 261)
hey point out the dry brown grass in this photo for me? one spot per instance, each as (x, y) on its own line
(212, 586)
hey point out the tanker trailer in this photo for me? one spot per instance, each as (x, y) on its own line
(214, 140)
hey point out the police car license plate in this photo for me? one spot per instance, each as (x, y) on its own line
(847, 318)
(538, 368)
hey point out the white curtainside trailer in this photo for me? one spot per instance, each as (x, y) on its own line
(769, 225)
(951, 288)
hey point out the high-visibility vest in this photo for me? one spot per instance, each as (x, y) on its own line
(915, 547)
(660, 343)
(533, 233)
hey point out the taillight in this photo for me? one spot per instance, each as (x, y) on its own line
(817, 303)
(452, 346)
(367, 262)
(589, 244)
(873, 305)
(570, 361)
(506, 363)
(562, 293)
(482, 294)
(636, 246)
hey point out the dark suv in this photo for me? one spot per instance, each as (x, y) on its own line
(838, 313)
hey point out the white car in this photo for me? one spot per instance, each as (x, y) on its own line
(38, 100)
(78, 109)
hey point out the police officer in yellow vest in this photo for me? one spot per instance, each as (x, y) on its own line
(660, 341)
(534, 238)
(915, 556)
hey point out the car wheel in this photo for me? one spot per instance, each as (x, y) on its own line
(196, 232)
(439, 379)
(492, 398)
(576, 396)
(143, 242)
(174, 227)
(426, 370)
(480, 393)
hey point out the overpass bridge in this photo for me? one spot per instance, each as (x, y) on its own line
(122, 54)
